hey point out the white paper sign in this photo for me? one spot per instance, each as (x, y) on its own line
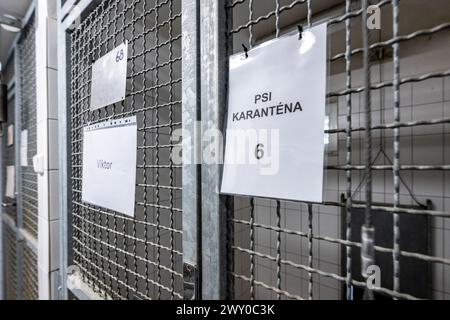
(10, 182)
(10, 137)
(276, 115)
(24, 148)
(109, 78)
(109, 165)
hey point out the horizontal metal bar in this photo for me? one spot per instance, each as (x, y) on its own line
(267, 16)
(127, 270)
(75, 13)
(235, 3)
(390, 42)
(161, 166)
(391, 167)
(152, 205)
(420, 256)
(136, 239)
(125, 218)
(16, 23)
(29, 239)
(394, 125)
(356, 13)
(124, 252)
(10, 221)
(390, 83)
(401, 210)
(66, 8)
(327, 274)
(269, 287)
(159, 187)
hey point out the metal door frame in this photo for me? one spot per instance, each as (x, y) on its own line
(206, 231)
(25, 239)
(215, 230)
(11, 92)
(344, 17)
(67, 15)
(205, 221)
(22, 236)
(14, 225)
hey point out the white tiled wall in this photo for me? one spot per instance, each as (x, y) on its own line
(47, 126)
(429, 145)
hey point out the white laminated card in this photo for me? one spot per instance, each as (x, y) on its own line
(109, 165)
(276, 114)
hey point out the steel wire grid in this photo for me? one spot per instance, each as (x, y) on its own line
(122, 257)
(266, 231)
(10, 262)
(27, 78)
(9, 157)
(30, 289)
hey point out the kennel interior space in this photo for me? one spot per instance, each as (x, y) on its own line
(387, 154)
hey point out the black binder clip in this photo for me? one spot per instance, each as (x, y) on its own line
(300, 32)
(245, 50)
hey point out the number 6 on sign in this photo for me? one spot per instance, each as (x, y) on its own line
(259, 152)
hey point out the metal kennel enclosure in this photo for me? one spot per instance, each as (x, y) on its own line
(19, 216)
(119, 257)
(9, 235)
(386, 167)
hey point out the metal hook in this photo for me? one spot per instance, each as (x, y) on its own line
(245, 50)
(300, 32)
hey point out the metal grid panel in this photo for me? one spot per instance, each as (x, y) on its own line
(27, 78)
(9, 158)
(30, 290)
(10, 262)
(267, 230)
(122, 257)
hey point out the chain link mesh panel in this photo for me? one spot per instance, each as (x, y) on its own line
(30, 289)
(122, 257)
(27, 78)
(388, 152)
(10, 262)
(9, 238)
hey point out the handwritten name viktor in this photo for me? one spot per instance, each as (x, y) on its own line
(276, 110)
(104, 165)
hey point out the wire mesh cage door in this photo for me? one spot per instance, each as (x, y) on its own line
(10, 252)
(378, 171)
(118, 256)
(27, 149)
(10, 247)
(30, 282)
(28, 123)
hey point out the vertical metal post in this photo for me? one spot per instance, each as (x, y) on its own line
(17, 129)
(191, 175)
(368, 231)
(368, 115)
(252, 199)
(310, 252)
(348, 142)
(63, 154)
(214, 73)
(396, 83)
(2, 253)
